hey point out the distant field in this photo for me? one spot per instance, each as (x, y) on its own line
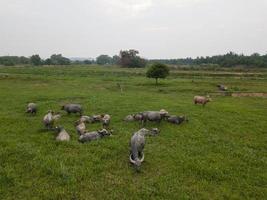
(221, 153)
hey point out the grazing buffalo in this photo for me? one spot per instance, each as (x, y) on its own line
(137, 145)
(31, 108)
(94, 135)
(202, 100)
(50, 119)
(72, 108)
(155, 116)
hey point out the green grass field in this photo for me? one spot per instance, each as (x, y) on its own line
(221, 153)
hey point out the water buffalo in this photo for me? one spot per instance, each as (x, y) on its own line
(155, 116)
(62, 134)
(94, 135)
(50, 118)
(202, 100)
(222, 87)
(177, 119)
(129, 118)
(31, 108)
(105, 120)
(80, 127)
(137, 145)
(86, 119)
(72, 108)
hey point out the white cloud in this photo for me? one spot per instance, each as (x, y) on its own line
(135, 7)
(128, 8)
(157, 28)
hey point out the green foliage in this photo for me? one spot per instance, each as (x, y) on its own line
(13, 60)
(36, 60)
(103, 60)
(47, 61)
(130, 58)
(157, 70)
(88, 62)
(58, 59)
(228, 60)
(115, 59)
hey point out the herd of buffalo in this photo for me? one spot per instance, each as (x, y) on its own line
(137, 141)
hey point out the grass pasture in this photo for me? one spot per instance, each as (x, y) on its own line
(221, 153)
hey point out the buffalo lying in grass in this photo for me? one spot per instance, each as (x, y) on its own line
(94, 135)
(177, 119)
(62, 134)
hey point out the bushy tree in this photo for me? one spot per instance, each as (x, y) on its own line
(8, 63)
(103, 60)
(13, 60)
(115, 60)
(130, 58)
(47, 61)
(87, 62)
(58, 59)
(36, 60)
(157, 70)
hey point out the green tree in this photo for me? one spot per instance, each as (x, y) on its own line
(87, 62)
(103, 60)
(157, 70)
(36, 60)
(47, 61)
(115, 59)
(58, 59)
(130, 58)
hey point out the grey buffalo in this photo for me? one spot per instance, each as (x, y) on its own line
(62, 134)
(86, 119)
(80, 127)
(134, 117)
(105, 120)
(177, 119)
(72, 108)
(97, 118)
(129, 118)
(155, 116)
(50, 118)
(137, 145)
(94, 135)
(222, 87)
(31, 108)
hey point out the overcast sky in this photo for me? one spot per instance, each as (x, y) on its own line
(157, 28)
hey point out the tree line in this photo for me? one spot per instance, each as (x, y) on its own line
(126, 58)
(131, 59)
(55, 59)
(230, 59)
